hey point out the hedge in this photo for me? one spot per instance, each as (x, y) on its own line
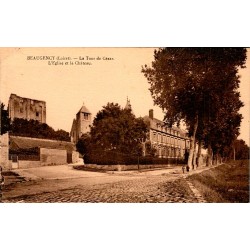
(117, 158)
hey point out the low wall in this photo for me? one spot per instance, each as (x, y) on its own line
(4, 151)
(28, 164)
(75, 157)
(124, 167)
(49, 156)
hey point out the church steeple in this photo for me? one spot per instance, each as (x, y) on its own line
(128, 105)
(83, 109)
(81, 124)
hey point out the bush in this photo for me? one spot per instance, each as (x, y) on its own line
(117, 158)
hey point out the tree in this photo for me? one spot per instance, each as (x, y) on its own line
(241, 150)
(62, 135)
(5, 121)
(84, 144)
(188, 83)
(150, 150)
(33, 128)
(118, 129)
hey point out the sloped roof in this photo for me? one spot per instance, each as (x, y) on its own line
(157, 121)
(27, 142)
(83, 109)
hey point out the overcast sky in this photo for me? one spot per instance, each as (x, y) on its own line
(64, 88)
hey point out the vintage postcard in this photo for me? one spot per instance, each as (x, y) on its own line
(124, 125)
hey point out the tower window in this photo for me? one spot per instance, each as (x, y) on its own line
(37, 114)
(85, 116)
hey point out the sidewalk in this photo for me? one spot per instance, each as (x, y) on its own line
(62, 172)
(54, 173)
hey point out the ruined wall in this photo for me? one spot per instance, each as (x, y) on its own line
(49, 156)
(26, 108)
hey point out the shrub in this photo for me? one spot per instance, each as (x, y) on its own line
(117, 158)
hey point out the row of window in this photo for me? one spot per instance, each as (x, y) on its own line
(157, 137)
(169, 152)
(167, 130)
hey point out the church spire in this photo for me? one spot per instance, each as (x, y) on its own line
(128, 105)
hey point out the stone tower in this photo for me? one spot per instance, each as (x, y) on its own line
(29, 109)
(81, 124)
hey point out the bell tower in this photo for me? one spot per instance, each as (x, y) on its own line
(84, 120)
(81, 124)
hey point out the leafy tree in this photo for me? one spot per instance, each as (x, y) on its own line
(118, 129)
(150, 150)
(84, 144)
(188, 84)
(35, 129)
(62, 135)
(5, 121)
(240, 149)
(116, 137)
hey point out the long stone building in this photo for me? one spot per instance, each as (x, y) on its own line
(169, 142)
(29, 109)
(26, 152)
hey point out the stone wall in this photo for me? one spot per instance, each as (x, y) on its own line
(29, 164)
(49, 156)
(123, 167)
(4, 151)
(75, 157)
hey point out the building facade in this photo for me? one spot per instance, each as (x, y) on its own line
(25, 108)
(168, 142)
(81, 124)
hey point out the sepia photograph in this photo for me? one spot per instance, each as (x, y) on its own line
(124, 124)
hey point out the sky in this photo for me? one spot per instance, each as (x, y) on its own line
(113, 75)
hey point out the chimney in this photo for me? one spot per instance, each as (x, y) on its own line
(151, 114)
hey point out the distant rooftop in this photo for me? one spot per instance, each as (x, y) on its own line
(163, 124)
(27, 142)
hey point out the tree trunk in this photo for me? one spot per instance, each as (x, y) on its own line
(209, 156)
(199, 158)
(216, 159)
(192, 142)
(194, 156)
(220, 159)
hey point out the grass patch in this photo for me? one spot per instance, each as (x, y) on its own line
(179, 188)
(226, 183)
